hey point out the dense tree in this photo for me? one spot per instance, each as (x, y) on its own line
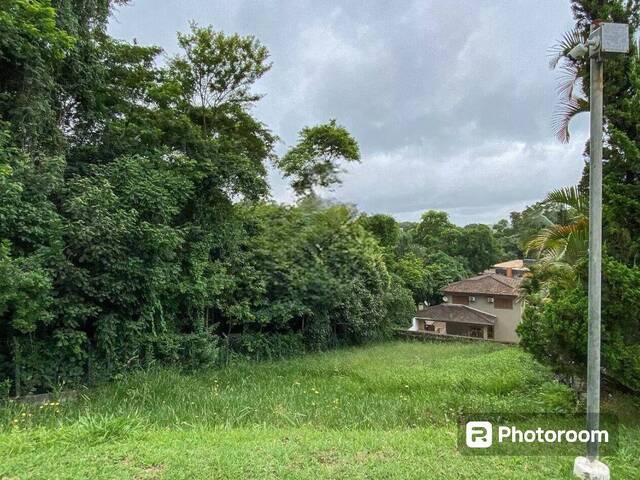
(554, 326)
(475, 243)
(478, 246)
(310, 270)
(425, 276)
(442, 270)
(411, 269)
(507, 237)
(133, 227)
(31, 44)
(30, 253)
(383, 227)
(435, 232)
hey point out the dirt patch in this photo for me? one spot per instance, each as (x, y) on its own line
(152, 472)
(330, 457)
(366, 456)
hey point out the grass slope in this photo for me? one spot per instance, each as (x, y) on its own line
(386, 411)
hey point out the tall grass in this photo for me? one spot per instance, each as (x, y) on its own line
(387, 386)
(384, 411)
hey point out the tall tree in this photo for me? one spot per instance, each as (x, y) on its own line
(507, 238)
(621, 170)
(479, 247)
(435, 232)
(31, 46)
(315, 160)
(217, 69)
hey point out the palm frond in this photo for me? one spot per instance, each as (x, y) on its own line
(541, 241)
(569, 196)
(557, 238)
(545, 220)
(567, 79)
(577, 245)
(559, 50)
(553, 255)
(559, 233)
(565, 111)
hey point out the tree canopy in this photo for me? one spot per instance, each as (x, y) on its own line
(314, 160)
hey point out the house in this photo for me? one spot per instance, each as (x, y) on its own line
(485, 306)
(517, 267)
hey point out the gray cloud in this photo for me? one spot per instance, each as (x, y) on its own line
(450, 100)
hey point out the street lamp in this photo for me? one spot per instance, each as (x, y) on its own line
(605, 38)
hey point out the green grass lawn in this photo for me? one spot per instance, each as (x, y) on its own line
(385, 411)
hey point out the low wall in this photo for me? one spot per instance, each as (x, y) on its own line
(426, 336)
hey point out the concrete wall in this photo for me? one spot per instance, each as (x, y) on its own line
(504, 329)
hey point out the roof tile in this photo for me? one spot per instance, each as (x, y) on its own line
(486, 283)
(448, 312)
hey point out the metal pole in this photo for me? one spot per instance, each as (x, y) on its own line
(595, 252)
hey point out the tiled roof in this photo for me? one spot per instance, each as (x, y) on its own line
(448, 312)
(486, 283)
(518, 263)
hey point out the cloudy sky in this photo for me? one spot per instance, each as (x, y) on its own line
(450, 100)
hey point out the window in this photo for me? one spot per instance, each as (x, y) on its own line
(504, 302)
(476, 332)
(490, 331)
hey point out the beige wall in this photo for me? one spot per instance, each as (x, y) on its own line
(507, 320)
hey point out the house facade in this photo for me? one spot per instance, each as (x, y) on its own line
(485, 306)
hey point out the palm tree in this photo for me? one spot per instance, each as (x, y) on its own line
(566, 241)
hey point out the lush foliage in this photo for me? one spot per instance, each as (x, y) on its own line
(567, 241)
(554, 326)
(555, 320)
(135, 226)
(306, 269)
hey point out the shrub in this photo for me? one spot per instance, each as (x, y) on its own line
(554, 328)
(267, 346)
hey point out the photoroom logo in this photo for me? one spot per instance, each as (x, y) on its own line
(531, 435)
(479, 434)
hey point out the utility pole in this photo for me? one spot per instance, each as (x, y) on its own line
(604, 38)
(596, 92)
